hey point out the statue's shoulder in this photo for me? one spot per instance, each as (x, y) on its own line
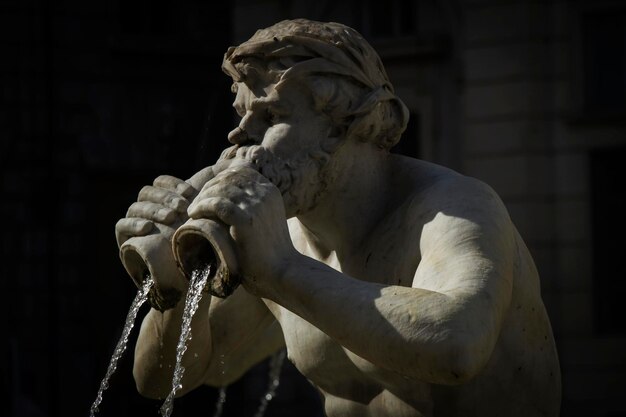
(437, 189)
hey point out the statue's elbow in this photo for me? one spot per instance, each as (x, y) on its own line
(463, 363)
(459, 375)
(150, 385)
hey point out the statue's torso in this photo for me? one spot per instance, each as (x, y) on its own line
(351, 385)
(521, 378)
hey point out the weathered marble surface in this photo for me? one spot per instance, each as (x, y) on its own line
(399, 287)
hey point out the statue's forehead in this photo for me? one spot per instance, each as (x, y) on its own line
(256, 87)
(247, 98)
(253, 72)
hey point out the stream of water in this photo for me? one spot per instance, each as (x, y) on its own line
(140, 298)
(219, 404)
(196, 285)
(276, 364)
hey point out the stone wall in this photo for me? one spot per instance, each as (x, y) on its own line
(528, 135)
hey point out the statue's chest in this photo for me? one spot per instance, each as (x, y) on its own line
(393, 264)
(310, 349)
(322, 360)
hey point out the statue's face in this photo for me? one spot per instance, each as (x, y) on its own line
(282, 134)
(284, 121)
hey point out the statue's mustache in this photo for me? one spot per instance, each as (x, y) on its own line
(279, 171)
(301, 178)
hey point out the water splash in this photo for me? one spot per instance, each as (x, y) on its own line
(140, 298)
(276, 364)
(219, 404)
(196, 285)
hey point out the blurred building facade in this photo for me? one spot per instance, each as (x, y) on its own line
(101, 97)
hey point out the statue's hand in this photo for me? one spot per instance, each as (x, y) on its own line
(242, 198)
(164, 203)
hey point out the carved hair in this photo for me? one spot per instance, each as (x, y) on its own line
(343, 72)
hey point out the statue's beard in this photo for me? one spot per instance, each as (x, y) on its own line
(301, 179)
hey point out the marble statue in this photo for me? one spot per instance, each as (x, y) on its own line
(399, 287)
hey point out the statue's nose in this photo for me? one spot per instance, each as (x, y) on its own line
(238, 136)
(249, 131)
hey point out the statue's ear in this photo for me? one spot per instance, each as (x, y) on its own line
(366, 127)
(395, 122)
(383, 125)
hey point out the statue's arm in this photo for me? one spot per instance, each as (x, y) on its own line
(221, 329)
(228, 337)
(243, 332)
(442, 329)
(155, 351)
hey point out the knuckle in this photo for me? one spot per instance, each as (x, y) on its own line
(156, 211)
(161, 179)
(225, 209)
(170, 199)
(231, 174)
(215, 189)
(121, 224)
(137, 208)
(197, 208)
(166, 215)
(176, 203)
(182, 187)
(204, 190)
(145, 191)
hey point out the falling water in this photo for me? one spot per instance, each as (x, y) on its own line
(140, 298)
(276, 364)
(196, 285)
(219, 404)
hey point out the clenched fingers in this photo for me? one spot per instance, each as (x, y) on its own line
(163, 196)
(174, 184)
(234, 182)
(219, 208)
(131, 226)
(201, 177)
(151, 211)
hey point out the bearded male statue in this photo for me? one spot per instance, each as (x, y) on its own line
(398, 287)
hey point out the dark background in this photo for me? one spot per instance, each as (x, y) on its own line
(100, 97)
